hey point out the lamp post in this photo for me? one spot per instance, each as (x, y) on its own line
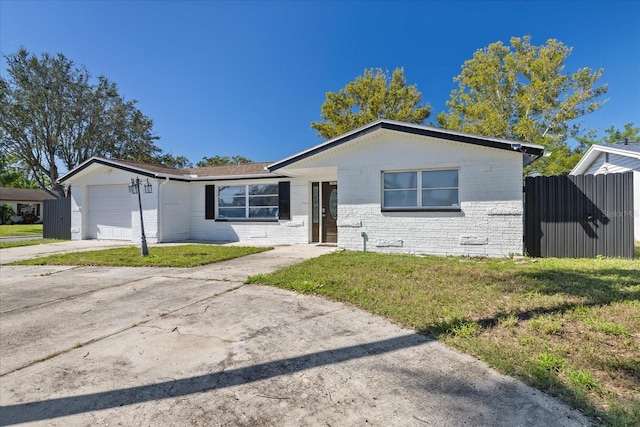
(134, 188)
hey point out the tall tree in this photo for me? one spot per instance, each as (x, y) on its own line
(627, 133)
(166, 159)
(53, 113)
(521, 92)
(370, 97)
(222, 160)
(13, 174)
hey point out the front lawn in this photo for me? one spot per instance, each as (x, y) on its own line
(19, 230)
(568, 327)
(181, 256)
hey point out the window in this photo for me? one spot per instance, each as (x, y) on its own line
(32, 208)
(248, 202)
(417, 190)
(255, 201)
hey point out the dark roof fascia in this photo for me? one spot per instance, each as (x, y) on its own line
(464, 138)
(241, 178)
(161, 175)
(117, 166)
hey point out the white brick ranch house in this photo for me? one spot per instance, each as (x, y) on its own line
(390, 186)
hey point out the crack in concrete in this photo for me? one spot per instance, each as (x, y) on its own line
(72, 297)
(168, 276)
(134, 325)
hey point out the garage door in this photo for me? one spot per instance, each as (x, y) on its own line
(110, 212)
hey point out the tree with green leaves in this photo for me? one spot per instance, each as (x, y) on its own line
(372, 96)
(222, 160)
(53, 113)
(612, 136)
(521, 92)
(168, 160)
(13, 174)
(627, 133)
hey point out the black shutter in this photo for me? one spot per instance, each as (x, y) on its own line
(209, 202)
(284, 200)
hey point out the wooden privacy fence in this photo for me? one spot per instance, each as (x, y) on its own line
(56, 219)
(579, 216)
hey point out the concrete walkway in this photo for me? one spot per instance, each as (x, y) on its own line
(145, 346)
(21, 253)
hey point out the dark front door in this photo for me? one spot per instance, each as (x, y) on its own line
(315, 212)
(329, 212)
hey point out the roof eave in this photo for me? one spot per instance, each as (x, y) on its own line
(592, 154)
(121, 166)
(234, 177)
(584, 162)
(160, 175)
(527, 149)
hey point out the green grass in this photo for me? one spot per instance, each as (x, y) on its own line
(570, 327)
(20, 230)
(181, 256)
(30, 242)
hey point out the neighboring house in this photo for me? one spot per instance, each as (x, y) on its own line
(615, 158)
(392, 186)
(24, 200)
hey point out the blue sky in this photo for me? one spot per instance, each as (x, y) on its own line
(248, 77)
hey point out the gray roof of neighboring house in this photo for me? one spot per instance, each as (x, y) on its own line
(24, 194)
(629, 146)
(630, 149)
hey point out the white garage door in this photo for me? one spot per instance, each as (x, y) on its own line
(109, 212)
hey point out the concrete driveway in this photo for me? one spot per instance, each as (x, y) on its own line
(148, 346)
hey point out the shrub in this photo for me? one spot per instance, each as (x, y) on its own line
(6, 212)
(30, 218)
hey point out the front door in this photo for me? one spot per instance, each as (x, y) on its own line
(324, 212)
(329, 212)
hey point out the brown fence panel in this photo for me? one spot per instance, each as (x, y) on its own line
(579, 216)
(56, 219)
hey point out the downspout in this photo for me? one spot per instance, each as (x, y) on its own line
(364, 241)
(158, 210)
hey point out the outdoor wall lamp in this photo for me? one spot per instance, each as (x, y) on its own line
(134, 188)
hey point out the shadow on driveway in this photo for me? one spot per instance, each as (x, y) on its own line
(64, 406)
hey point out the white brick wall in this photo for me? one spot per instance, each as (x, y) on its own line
(490, 191)
(149, 203)
(262, 233)
(78, 226)
(175, 216)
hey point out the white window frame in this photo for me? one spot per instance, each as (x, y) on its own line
(419, 189)
(247, 206)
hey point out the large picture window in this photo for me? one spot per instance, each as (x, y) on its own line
(254, 201)
(420, 190)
